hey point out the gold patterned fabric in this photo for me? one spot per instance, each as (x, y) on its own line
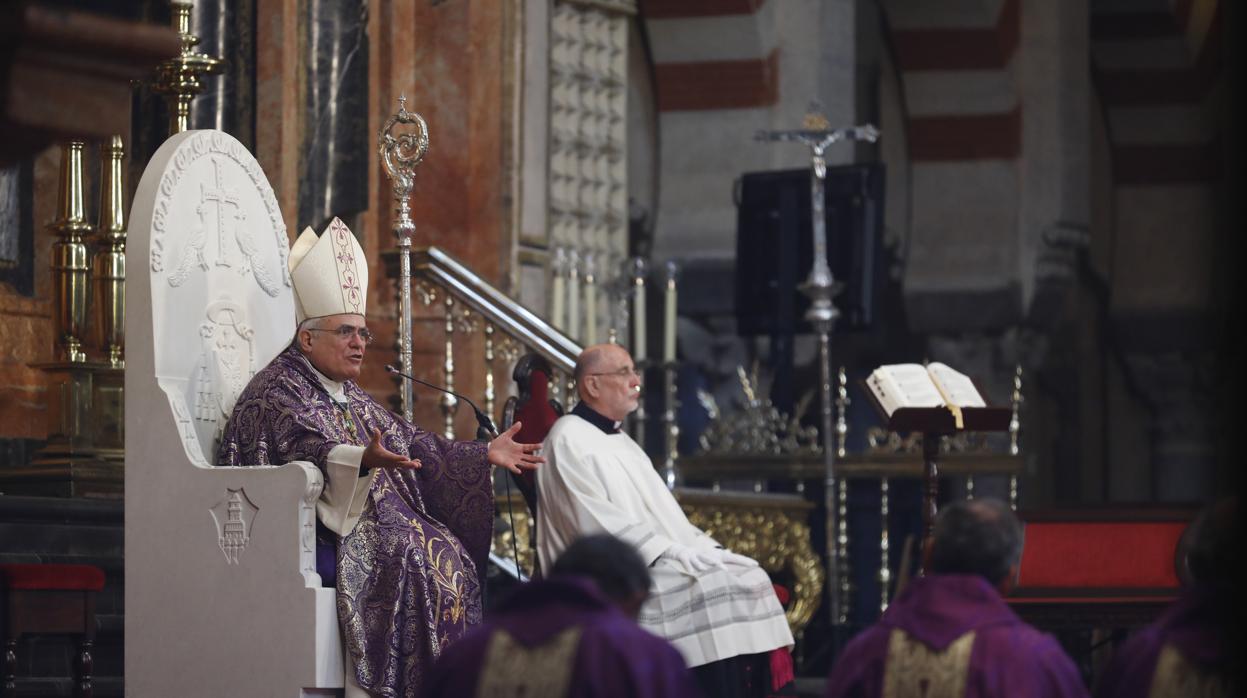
(1176, 677)
(512, 670)
(913, 670)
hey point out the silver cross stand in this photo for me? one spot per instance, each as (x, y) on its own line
(401, 155)
(820, 287)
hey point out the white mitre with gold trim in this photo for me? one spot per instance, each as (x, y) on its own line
(329, 272)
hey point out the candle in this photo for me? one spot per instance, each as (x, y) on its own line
(573, 296)
(557, 290)
(591, 302)
(668, 318)
(638, 310)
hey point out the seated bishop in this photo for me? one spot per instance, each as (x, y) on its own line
(409, 512)
(718, 608)
(950, 633)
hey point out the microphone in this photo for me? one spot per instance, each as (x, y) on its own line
(485, 426)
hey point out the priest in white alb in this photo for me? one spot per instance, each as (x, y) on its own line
(717, 607)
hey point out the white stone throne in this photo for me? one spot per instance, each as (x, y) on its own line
(222, 595)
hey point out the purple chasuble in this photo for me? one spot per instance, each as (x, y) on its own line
(408, 580)
(954, 630)
(1181, 654)
(560, 638)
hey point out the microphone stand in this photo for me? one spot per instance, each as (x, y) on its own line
(485, 429)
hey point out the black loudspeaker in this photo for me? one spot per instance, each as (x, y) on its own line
(775, 247)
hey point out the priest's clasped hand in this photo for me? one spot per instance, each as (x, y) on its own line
(693, 559)
(506, 452)
(730, 557)
(378, 456)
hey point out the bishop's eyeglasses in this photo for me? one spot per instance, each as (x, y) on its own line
(345, 332)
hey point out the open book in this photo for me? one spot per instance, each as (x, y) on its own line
(915, 385)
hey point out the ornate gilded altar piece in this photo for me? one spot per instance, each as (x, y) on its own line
(770, 528)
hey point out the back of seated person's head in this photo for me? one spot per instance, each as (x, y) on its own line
(981, 537)
(1215, 553)
(613, 565)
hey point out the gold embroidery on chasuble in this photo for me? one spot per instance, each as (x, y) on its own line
(511, 670)
(448, 582)
(913, 670)
(347, 421)
(1176, 677)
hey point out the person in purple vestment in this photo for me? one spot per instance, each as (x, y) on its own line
(1186, 651)
(950, 632)
(571, 635)
(411, 512)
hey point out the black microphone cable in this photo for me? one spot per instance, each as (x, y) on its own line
(486, 425)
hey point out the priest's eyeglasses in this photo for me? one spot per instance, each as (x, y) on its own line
(345, 332)
(625, 372)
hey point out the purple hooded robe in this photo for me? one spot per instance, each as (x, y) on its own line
(561, 638)
(1181, 654)
(407, 573)
(953, 635)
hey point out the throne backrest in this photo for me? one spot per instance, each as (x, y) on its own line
(218, 304)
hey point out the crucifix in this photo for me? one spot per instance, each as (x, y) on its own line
(220, 196)
(817, 135)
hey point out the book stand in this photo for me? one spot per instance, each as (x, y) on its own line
(934, 423)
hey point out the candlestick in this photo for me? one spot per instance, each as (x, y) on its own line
(668, 318)
(109, 262)
(591, 300)
(69, 256)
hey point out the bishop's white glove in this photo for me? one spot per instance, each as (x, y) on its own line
(693, 559)
(729, 557)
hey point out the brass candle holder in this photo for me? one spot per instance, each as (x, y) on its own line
(84, 453)
(181, 78)
(108, 268)
(69, 256)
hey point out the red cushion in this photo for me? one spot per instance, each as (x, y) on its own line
(781, 592)
(52, 577)
(1100, 554)
(536, 415)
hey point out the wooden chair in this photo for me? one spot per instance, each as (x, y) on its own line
(46, 599)
(534, 408)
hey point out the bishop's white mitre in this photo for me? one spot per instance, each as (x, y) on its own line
(329, 272)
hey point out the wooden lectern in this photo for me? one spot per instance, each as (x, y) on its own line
(934, 423)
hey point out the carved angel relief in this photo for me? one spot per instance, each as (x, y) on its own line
(227, 224)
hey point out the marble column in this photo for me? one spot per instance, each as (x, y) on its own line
(226, 29)
(334, 153)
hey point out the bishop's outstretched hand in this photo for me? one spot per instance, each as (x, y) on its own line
(506, 452)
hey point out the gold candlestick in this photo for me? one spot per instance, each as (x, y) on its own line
(69, 256)
(180, 78)
(109, 263)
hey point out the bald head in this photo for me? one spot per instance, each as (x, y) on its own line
(592, 359)
(608, 381)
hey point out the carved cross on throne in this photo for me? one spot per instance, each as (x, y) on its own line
(220, 195)
(231, 219)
